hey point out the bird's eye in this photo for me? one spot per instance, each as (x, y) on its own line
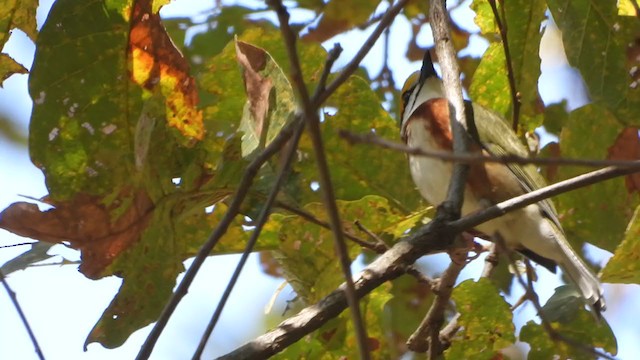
(406, 96)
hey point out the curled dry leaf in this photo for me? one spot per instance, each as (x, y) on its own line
(86, 224)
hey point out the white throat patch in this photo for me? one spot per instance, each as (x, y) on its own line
(431, 89)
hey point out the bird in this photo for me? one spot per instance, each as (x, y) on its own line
(535, 230)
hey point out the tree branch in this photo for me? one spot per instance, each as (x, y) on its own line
(23, 318)
(538, 195)
(472, 158)
(247, 179)
(234, 208)
(427, 335)
(428, 239)
(439, 20)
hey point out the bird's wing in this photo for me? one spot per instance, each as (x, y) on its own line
(500, 140)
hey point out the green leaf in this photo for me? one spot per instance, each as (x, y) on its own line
(596, 42)
(37, 253)
(569, 318)
(490, 85)
(486, 321)
(225, 94)
(79, 131)
(624, 266)
(485, 20)
(307, 252)
(360, 170)
(597, 214)
(8, 67)
(270, 99)
(410, 302)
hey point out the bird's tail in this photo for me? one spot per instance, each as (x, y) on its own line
(582, 276)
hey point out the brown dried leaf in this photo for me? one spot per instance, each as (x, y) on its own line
(253, 60)
(85, 223)
(627, 147)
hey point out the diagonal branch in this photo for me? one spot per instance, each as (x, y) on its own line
(16, 304)
(262, 220)
(426, 240)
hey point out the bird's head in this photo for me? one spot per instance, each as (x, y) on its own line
(420, 87)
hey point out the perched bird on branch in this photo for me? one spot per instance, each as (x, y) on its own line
(534, 230)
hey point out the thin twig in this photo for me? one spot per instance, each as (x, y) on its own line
(23, 318)
(18, 244)
(491, 261)
(472, 158)
(427, 336)
(326, 186)
(411, 270)
(234, 208)
(451, 329)
(515, 96)
(311, 218)
(353, 65)
(393, 263)
(262, 219)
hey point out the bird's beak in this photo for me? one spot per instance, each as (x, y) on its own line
(427, 69)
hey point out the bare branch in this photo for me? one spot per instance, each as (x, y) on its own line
(411, 270)
(472, 158)
(386, 267)
(515, 96)
(23, 318)
(326, 185)
(429, 239)
(18, 244)
(427, 335)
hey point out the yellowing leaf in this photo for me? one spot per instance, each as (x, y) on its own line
(486, 321)
(158, 64)
(624, 266)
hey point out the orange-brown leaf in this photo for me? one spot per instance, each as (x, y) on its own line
(155, 61)
(84, 223)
